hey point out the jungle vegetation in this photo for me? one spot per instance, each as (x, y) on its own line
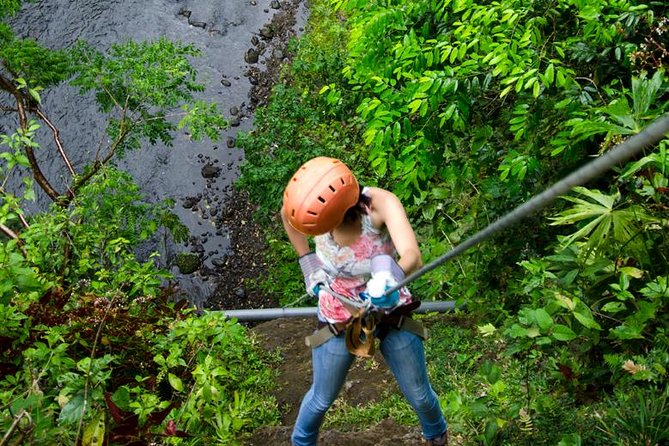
(464, 109)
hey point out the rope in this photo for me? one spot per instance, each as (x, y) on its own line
(652, 134)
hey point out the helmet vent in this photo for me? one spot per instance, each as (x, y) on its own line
(321, 199)
(312, 213)
(332, 188)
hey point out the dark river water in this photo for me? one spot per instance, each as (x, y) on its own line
(223, 31)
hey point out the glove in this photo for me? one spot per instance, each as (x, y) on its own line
(313, 272)
(385, 275)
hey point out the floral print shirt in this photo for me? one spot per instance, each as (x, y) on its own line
(349, 268)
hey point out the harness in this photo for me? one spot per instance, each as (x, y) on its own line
(366, 324)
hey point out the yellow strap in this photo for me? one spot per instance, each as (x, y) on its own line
(360, 336)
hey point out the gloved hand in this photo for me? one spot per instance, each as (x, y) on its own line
(313, 272)
(385, 274)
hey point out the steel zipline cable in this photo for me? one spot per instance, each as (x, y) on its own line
(652, 134)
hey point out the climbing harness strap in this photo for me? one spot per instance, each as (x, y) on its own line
(360, 335)
(324, 333)
(359, 331)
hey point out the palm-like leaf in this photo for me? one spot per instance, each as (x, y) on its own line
(619, 117)
(605, 225)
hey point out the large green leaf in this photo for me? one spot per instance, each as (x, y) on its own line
(604, 223)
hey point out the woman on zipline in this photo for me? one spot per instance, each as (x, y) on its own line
(359, 232)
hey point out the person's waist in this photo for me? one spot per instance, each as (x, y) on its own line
(393, 318)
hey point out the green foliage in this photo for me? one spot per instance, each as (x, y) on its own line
(156, 73)
(104, 224)
(489, 395)
(83, 316)
(288, 133)
(109, 314)
(467, 105)
(225, 390)
(641, 417)
(137, 83)
(606, 224)
(10, 7)
(465, 109)
(39, 66)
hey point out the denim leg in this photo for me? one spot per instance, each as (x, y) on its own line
(404, 354)
(330, 362)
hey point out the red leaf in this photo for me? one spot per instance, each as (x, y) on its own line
(171, 428)
(181, 434)
(157, 417)
(567, 372)
(117, 414)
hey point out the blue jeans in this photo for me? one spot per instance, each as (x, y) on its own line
(404, 354)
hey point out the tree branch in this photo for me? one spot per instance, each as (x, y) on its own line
(21, 99)
(34, 165)
(56, 138)
(8, 232)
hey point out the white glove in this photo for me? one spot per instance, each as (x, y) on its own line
(385, 275)
(379, 283)
(313, 272)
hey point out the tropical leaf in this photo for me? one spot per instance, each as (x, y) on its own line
(604, 223)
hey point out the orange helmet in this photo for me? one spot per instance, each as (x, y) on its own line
(318, 195)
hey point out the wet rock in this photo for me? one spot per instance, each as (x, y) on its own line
(211, 171)
(225, 82)
(254, 3)
(240, 293)
(251, 56)
(185, 12)
(275, 4)
(187, 262)
(189, 202)
(231, 142)
(277, 54)
(197, 24)
(267, 32)
(218, 262)
(234, 122)
(234, 111)
(255, 41)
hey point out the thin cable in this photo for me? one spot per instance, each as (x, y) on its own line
(652, 134)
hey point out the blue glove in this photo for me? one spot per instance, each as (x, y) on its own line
(313, 272)
(385, 275)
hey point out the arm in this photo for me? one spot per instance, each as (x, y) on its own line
(310, 264)
(388, 210)
(297, 239)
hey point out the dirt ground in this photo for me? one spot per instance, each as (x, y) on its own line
(369, 379)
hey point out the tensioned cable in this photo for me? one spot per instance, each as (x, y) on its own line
(652, 134)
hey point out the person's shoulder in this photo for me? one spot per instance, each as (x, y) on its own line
(377, 192)
(381, 197)
(384, 205)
